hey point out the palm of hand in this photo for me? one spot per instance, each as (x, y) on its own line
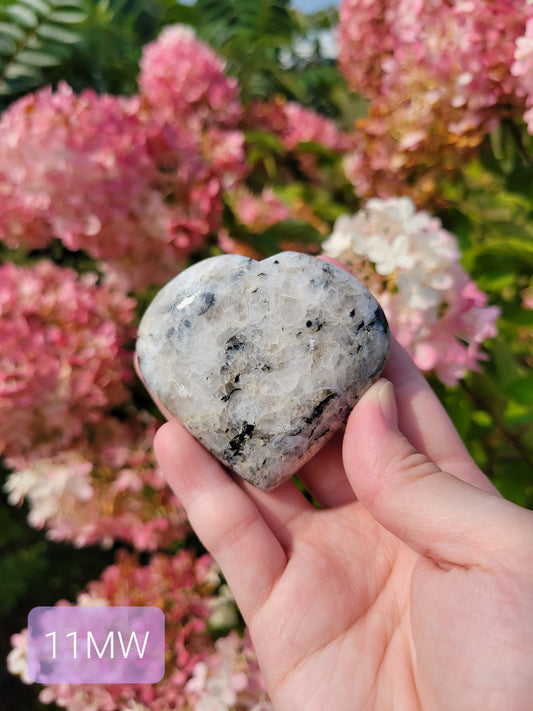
(341, 560)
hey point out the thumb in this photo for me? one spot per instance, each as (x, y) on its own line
(435, 513)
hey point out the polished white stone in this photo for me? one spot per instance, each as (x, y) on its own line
(262, 361)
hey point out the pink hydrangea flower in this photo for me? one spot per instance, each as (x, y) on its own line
(439, 79)
(63, 363)
(182, 82)
(411, 264)
(198, 671)
(522, 69)
(183, 79)
(175, 584)
(111, 176)
(260, 211)
(106, 487)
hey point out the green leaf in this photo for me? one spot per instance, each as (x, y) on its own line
(521, 390)
(57, 33)
(520, 317)
(7, 46)
(19, 570)
(12, 31)
(503, 358)
(505, 254)
(482, 418)
(516, 414)
(459, 409)
(515, 482)
(457, 222)
(292, 231)
(495, 282)
(264, 140)
(80, 4)
(21, 14)
(38, 59)
(68, 17)
(37, 6)
(17, 71)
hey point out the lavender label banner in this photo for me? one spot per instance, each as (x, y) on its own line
(104, 645)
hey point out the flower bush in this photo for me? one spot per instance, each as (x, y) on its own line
(103, 197)
(439, 78)
(105, 487)
(200, 674)
(63, 361)
(134, 182)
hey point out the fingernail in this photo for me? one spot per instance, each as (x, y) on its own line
(387, 403)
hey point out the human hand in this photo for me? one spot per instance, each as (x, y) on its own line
(412, 587)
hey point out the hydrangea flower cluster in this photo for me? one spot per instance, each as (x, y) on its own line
(182, 82)
(411, 264)
(522, 69)
(135, 182)
(63, 363)
(175, 584)
(438, 77)
(182, 78)
(229, 679)
(105, 487)
(200, 675)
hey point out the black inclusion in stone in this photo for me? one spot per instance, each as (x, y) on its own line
(319, 409)
(237, 443)
(225, 398)
(235, 343)
(207, 299)
(378, 320)
(325, 281)
(381, 320)
(317, 323)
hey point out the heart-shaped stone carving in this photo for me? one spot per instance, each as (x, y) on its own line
(262, 361)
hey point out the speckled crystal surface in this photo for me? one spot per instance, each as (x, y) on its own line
(262, 360)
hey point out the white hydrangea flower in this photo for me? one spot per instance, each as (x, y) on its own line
(411, 264)
(399, 241)
(340, 239)
(388, 256)
(17, 659)
(45, 482)
(19, 484)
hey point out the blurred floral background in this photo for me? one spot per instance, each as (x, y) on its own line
(138, 137)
